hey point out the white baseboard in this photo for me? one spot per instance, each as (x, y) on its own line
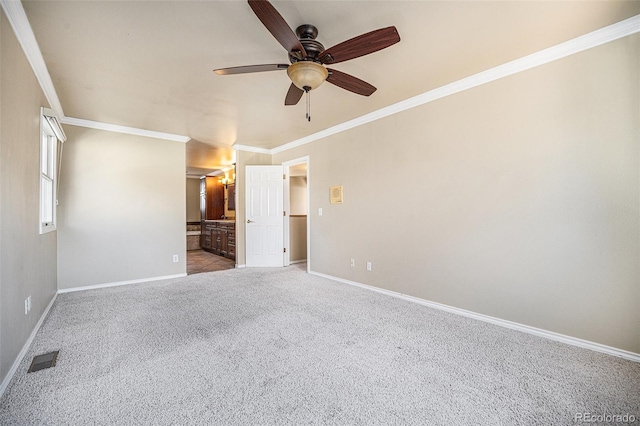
(25, 347)
(119, 283)
(632, 356)
(297, 261)
(242, 265)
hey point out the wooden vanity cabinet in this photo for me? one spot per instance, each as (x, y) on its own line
(211, 199)
(231, 241)
(219, 238)
(205, 239)
(219, 241)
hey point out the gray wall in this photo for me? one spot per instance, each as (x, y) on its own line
(518, 199)
(297, 239)
(27, 259)
(298, 195)
(298, 225)
(122, 208)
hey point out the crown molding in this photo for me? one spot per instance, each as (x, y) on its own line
(22, 29)
(248, 148)
(24, 34)
(123, 129)
(593, 39)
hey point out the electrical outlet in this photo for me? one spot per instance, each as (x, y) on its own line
(368, 266)
(319, 211)
(353, 263)
(175, 258)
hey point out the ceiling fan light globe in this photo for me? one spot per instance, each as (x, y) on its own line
(307, 74)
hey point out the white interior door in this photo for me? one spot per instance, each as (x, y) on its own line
(264, 216)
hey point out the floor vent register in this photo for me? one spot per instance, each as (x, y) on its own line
(41, 362)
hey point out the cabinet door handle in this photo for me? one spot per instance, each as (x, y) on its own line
(250, 221)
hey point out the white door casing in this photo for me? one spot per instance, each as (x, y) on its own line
(264, 216)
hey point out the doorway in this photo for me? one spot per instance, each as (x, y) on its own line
(269, 232)
(210, 199)
(297, 241)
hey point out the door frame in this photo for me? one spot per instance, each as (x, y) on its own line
(287, 208)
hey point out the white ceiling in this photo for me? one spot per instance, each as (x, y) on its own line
(148, 64)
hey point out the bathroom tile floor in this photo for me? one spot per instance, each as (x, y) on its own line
(199, 261)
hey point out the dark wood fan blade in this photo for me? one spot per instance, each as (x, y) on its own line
(293, 95)
(277, 26)
(350, 83)
(251, 68)
(360, 46)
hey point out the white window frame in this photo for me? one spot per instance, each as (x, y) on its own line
(51, 135)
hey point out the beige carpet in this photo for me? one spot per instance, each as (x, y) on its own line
(281, 347)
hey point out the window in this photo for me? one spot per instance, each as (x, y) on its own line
(51, 139)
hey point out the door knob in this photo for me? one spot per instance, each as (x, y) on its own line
(250, 221)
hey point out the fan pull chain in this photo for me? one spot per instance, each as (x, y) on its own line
(308, 105)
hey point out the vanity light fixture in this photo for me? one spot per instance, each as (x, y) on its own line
(225, 181)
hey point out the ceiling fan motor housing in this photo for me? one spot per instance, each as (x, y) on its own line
(307, 34)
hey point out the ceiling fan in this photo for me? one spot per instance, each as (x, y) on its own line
(308, 56)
